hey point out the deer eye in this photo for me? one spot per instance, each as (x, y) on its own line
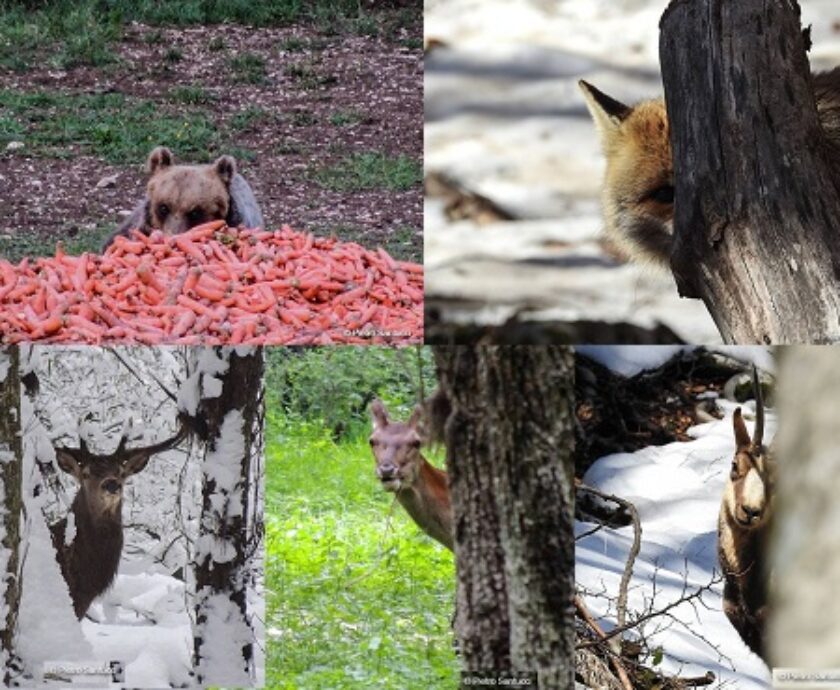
(162, 211)
(372, 442)
(415, 443)
(663, 194)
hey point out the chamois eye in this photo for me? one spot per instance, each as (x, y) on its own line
(195, 216)
(162, 211)
(663, 194)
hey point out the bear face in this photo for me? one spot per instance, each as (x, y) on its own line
(183, 196)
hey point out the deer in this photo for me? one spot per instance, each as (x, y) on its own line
(743, 529)
(89, 562)
(420, 487)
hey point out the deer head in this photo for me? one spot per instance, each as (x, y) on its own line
(396, 448)
(101, 478)
(749, 489)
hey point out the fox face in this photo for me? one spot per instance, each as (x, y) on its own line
(638, 189)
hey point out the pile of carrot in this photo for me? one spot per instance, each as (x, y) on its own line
(214, 285)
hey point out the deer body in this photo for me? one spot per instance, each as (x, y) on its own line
(743, 528)
(89, 562)
(421, 488)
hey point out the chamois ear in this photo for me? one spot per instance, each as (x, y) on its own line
(378, 414)
(742, 438)
(225, 168)
(160, 157)
(416, 416)
(68, 463)
(607, 112)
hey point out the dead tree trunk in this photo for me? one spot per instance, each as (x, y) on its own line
(806, 542)
(757, 202)
(224, 639)
(509, 453)
(11, 459)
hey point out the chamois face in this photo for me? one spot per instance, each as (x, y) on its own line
(638, 189)
(749, 491)
(396, 448)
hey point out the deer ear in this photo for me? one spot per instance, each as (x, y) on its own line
(742, 438)
(378, 414)
(416, 416)
(68, 463)
(135, 462)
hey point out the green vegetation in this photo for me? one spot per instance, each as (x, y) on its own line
(342, 118)
(247, 68)
(357, 595)
(113, 126)
(81, 32)
(75, 241)
(192, 95)
(306, 76)
(371, 170)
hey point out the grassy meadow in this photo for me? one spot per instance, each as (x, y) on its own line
(357, 596)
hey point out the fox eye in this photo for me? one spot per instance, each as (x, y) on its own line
(162, 211)
(195, 216)
(663, 194)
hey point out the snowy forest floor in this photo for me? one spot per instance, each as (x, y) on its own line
(676, 488)
(357, 595)
(506, 119)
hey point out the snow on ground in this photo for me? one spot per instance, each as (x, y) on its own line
(632, 360)
(505, 117)
(677, 490)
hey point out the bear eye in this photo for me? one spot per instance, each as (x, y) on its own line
(663, 194)
(162, 211)
(195, 216)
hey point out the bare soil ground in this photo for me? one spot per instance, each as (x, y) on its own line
(295, 106)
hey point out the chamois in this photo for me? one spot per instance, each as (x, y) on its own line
(421, 488)
(743, 527)
(89, 562)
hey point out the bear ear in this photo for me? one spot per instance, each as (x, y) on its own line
(225, 167)
(161, 157)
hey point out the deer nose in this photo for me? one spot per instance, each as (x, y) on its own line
(112, 486)
(387, 471)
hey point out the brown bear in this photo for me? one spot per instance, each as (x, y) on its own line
(179, 197)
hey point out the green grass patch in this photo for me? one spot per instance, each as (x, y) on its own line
(355, 598)
(307, 77)
(371, 170)
(343, 118)
(247, 68)
(112, 126)
(75, 240)
(192, 95)
(250, 117)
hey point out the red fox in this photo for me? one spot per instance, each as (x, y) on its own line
(638, 190)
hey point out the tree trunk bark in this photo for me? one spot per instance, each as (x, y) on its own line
(509, 445)
(11, 460)
(224, 636)
(757, 202)
(806, 542)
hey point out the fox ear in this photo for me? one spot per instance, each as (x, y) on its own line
(607, 112)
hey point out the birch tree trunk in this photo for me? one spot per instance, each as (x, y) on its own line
(11, 460)
(509, 445)
(806, 541)
(224, 639)
(757, 203)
